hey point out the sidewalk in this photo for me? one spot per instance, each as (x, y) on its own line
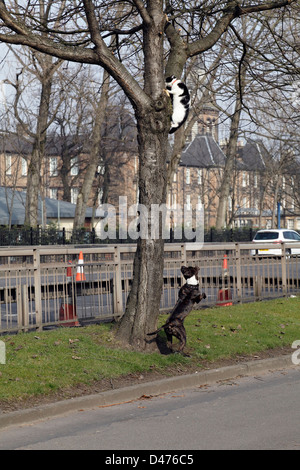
(134, 392)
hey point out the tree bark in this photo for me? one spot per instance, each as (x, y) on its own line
(34, 167)
(143, 303)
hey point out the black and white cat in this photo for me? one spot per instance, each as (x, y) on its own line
(180, 101)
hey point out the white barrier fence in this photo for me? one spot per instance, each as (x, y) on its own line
(42, 287)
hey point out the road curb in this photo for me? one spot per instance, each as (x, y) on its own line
(134, 392)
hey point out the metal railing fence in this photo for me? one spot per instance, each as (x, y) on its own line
(22, 236)
(45, 287)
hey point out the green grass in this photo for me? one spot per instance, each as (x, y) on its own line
(244, 329)
(42, 363)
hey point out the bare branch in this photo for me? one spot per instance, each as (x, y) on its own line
(234, 10)
(143, 11)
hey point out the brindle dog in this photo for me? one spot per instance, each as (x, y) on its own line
(189, 294)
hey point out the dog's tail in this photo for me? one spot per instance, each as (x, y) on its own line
(157, 331)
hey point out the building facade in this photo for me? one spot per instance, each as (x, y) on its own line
(255, 191)
(257, 186)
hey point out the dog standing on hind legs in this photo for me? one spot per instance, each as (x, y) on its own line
(189, 294)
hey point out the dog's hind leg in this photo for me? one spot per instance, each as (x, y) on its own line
(179, 333)
(182, 338)
(169, 338)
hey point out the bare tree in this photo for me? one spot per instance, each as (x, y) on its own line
(70, 124)
(86, 187)
(231, 151)
(33, 126)
(81, 36)
(43, 67)
(266, 68)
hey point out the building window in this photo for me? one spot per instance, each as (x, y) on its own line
(188, 176)
(24, 167)
(100, 196)
(188, 202)
(74, 195)
(53, 193)
(200, 176)
(246, 203)
(53, 166)
(8, 165)
(74, 166)
(245, 180)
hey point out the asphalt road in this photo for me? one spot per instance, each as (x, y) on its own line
(248, 413)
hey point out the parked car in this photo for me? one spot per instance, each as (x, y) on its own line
(276, 237)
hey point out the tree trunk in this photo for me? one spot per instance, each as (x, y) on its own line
(89, 176)
(33, 188)
(153, 124)
(143, 303)
(275, 202)
(231, 153)
(34, 167)
(65, 175)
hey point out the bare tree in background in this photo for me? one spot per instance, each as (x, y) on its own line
(35, 130)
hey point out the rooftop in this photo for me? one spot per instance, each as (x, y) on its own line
(203, 152)
(14, 202)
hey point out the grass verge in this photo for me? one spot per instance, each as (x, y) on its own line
(50, 362)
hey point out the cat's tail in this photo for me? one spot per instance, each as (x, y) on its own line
(173, 129)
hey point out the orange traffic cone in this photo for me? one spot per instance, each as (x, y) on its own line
(80, 276)
(225, 265)
(224, 295)
(67, 310)
(224, 298)
(69, 270)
